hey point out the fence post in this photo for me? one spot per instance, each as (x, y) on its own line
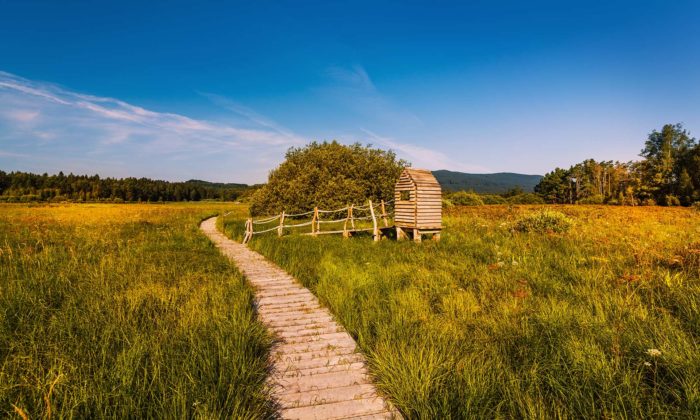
(352, 217)
(314, 221)
(281, 228)
(248, 230)
(375, 231)
(386, 223)
(345, 225)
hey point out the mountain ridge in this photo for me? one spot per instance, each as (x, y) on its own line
(493, 183)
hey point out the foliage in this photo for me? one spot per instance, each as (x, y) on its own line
(125, 311)
(527, 198)
(463, 198)
(593, 199)
(670, 168)
(328, 175)
(488, 324)
(493, 199)
(671, 200)
(696, 206)
(24, 187)
(543, 221)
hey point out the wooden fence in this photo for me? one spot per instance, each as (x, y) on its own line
(320, 217)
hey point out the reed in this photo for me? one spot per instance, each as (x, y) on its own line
(125, 311)
(600, 321)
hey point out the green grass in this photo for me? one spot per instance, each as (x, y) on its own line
(125, 311)
(495, 323)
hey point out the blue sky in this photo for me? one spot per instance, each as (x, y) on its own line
(219, 90)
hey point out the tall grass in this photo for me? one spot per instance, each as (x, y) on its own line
(125, 311)
(495, 323)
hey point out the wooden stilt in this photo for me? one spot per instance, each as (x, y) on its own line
(416, 235)
(400, 234)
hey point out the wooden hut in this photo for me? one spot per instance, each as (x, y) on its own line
(418, 205)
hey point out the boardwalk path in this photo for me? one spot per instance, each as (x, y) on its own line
(317, 372)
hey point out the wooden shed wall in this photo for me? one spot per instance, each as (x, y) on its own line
(424, 210)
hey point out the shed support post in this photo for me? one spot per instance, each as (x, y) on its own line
(416, 235)
(400, 234)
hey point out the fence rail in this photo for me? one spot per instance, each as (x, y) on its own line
(375, 211)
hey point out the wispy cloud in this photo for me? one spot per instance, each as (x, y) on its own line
(52, 123)
(351, 88)
(423, 157)
(248, 113)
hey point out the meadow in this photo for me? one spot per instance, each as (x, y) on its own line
(125, 311)
(600, 321)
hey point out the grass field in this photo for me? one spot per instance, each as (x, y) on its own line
(602, 321)
(124, 311)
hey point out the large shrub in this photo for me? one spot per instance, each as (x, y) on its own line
(593, 199)
(328, 175)
(526, 198)
(543, 221)
(493, 199)
(463, 198)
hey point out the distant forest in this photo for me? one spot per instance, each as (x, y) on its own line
(27, 187)
(668, 174)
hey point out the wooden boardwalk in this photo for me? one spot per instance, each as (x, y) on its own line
(318, 374)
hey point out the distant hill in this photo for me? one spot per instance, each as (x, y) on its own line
(485, 183)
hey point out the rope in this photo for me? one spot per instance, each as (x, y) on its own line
(300, 214)
(263, 221)
(333, 211)
(266, 230)
(298, 225)
(330, 221)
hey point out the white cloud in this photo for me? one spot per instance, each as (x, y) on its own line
(423, 157)
(54, 124)
(22, 115)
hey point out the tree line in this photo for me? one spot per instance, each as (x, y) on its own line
(27, 187)
(668, 174)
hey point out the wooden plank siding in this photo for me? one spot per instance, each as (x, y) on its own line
(423, 210)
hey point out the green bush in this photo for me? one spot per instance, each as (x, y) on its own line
(672, 200)
(493, 199)
(447, 203)
(329, 175)
(463, 198)
(543, 221)
(527, 198)
(594, 199)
